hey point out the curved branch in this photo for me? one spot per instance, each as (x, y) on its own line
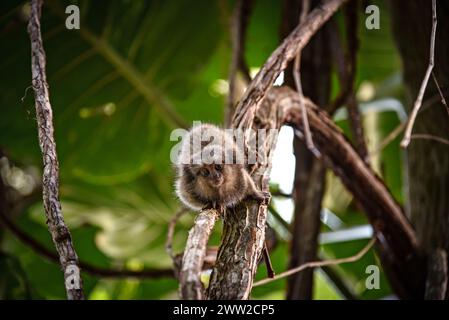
(398, 246)
(50, 181)
(277, 62)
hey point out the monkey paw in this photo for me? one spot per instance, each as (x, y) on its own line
(263, 197)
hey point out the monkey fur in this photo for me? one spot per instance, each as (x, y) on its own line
(212, 183)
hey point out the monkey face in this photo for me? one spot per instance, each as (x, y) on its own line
(212, 174)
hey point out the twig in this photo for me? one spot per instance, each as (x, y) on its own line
(389, 138)
(440, 92)
(87, 267)
(315, 264)
(50, 181)
(171, 231)
(266, 257)
(408, 131)
(400, 127)
(429, 137)
(297, 78)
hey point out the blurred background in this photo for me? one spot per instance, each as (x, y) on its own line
(133, 72)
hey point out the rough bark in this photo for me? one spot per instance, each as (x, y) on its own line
(436, 284)
(190, 286)
(50, 180)
(309, 171)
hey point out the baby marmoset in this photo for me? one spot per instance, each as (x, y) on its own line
(204, 179)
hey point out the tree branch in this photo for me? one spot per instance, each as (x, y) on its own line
(277, 62)
(408, 130)
(319, 263)
(50, 181)
(398, 246)
(190, 286)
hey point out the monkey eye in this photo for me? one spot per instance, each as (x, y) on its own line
(205, 173)
(218, 167)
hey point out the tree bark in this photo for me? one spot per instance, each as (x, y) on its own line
(50, 181)
(428, 161)
(190, 286)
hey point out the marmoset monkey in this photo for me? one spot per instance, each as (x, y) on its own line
(204, 179)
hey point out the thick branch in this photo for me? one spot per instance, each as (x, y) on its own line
(397, 244)
(50, 181)
(277, 62)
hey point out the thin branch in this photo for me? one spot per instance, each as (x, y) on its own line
(86, 267)
(266, 257)
(315, 264)
(171, 231)
(440, 92)
(429, 137)
(297, 78)
(389, 138)
(400, 127)
(408, 131)
(50, 181)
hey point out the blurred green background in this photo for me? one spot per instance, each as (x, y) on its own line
(115, 85)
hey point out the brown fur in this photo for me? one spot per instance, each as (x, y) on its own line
(214, 184)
